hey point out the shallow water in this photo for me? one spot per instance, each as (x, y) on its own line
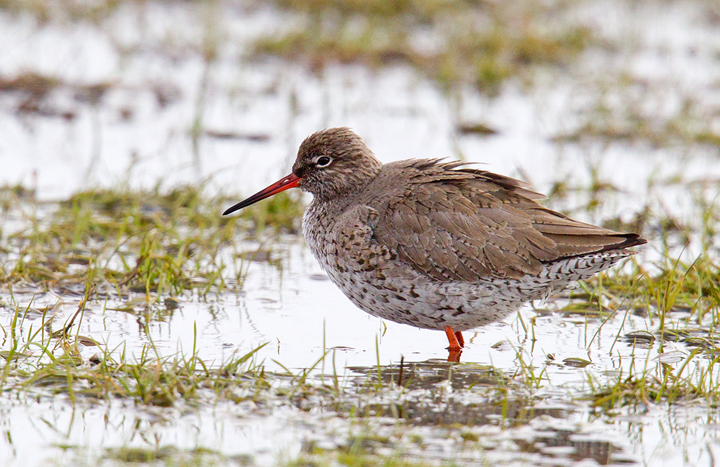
(253, 114)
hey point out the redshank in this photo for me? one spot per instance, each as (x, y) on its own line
(435, 244)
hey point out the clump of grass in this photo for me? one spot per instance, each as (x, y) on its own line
(375, 45)
(167, 455)
(661, 382)
(41, 358)
(138, 455)
(673, 287)
(502, 52)
(144, 241)
(33, 90)
(421, 9)
(353, 456)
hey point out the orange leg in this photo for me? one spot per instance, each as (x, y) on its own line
(459, 337)
(455, 338)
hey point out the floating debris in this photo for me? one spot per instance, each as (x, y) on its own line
(640, 336)
(253, 137)
(87, 341)
(671, 357)
(700, 342)
(172, 303)
(476, 129)
(576, 362)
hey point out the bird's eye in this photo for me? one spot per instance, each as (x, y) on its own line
(323, 161)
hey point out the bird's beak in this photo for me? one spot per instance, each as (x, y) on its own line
(291, 181)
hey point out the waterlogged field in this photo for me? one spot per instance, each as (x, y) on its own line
(139, 326)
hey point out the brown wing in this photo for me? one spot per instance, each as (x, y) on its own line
(464, 224)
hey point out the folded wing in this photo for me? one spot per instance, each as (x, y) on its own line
(463, 224)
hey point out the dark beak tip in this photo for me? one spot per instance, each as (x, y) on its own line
(230, 210)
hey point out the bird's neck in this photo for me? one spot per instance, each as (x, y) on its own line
(352, 182)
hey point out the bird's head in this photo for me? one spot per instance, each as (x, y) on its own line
(330, 163)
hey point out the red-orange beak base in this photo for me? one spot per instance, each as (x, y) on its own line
(291, 181)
